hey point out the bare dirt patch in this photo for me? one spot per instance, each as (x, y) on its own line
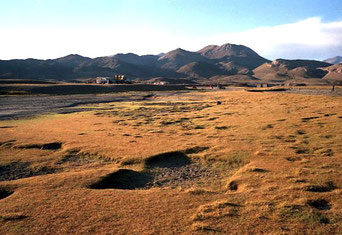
(170, 169)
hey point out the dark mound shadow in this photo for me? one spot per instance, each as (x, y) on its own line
(123, 179)
(327, 187)
(169, 159)
(196, 149)
(5, 193)
(319, 204)
(233, 186)
(267, 90)
(47, 146)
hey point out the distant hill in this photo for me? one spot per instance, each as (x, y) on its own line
(239, 54)
(175, 59)
(334, 72)
(226, 63)
(282, 70)
(132, 58)
(72, 60)
(202, 70)
(334, 60)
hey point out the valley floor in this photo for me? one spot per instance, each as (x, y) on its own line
(177, 162)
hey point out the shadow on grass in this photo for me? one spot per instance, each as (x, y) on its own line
(169, 159)
(5, 193)
(123, 179)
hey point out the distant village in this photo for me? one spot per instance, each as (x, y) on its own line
(117, 79)
(120, 79)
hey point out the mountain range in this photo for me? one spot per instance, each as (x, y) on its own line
(225, 63)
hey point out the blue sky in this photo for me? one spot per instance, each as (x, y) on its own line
(310, 29)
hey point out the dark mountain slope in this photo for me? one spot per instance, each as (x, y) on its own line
(149, 60)
(239, 54)
(175, 59)
(202, 70)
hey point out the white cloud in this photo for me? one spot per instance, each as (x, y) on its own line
(47, 43)
(310, 38)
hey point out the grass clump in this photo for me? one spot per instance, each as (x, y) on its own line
(238, 159)
(268, 126)
(130, 161)
(199, 191)
(226, 164)
(12, 217)
(198, 226)
(300, 132)
(303, 214)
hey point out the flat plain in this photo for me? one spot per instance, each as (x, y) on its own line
(176, 162)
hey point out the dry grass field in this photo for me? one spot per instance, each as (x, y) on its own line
(255, 163)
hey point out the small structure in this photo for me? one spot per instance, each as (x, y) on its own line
(160, 83)
(121, 79)
(103, 80)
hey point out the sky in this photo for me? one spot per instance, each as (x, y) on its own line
(289, 29)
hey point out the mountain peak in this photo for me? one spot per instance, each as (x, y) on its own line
(179, 57)
(334, 60)
(72, 57)
(228, 49)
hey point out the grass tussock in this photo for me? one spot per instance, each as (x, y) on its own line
(199, 191)
(215, 210)
(12, 217)
(303, 214)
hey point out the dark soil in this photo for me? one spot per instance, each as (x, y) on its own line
(18, 170)
(268, 90)
(184, 176)
(170, 169)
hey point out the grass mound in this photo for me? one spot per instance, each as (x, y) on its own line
(167, 160)
(47, 146)
(123, 179)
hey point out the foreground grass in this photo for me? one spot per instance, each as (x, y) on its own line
(256, 163)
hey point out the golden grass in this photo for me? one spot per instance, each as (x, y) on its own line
(273, 146)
